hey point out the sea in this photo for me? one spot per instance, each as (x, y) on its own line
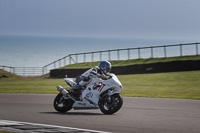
(38, 51)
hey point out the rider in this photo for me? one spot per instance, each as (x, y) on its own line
(100, 71)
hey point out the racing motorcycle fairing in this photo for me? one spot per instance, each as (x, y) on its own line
(97, 94)
(70, 81)
(98, 86)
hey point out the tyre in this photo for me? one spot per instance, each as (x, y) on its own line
(111, 106)
(61, 104)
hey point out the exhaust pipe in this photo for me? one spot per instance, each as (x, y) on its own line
(64, 92)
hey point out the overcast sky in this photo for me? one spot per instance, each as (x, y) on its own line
(101, 18)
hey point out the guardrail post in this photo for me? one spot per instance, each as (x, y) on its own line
(64, 61)
(23, 71)
(128, 52)
(14, 70)
(151, 52)
(54, 65)
(69, 59)
(197, 50)
(181, 50)
(46, 70)
(42, 70)
(139, 53)
(118, 56)
(92, 56)
(165, 52)
(100, 55)
(109, 55)
(77, 58)
(33, 71)
(84, 57)
(59, 62)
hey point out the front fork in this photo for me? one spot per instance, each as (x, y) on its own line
(109, 101)
(110, 93)
(109, 96)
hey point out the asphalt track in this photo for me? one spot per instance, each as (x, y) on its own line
(138, 115)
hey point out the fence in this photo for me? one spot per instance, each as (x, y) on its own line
(24, 71)
(115, 54)
(128, 53)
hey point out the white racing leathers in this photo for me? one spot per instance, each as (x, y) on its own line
(91, 73)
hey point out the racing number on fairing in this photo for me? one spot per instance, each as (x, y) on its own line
(100, 86)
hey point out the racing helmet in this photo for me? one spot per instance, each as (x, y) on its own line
(105, 66)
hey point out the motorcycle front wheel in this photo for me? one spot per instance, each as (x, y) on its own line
(111, 106)
(61, 104)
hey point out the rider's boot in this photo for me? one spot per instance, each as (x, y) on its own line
(76, 90)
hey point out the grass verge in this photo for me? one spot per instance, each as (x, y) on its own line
(166, 85)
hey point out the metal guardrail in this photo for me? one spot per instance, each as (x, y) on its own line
(29, 71)
(115, 54)
(138, 52)
(8, 68)
(24, 71)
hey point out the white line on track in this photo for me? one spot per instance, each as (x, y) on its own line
(8, 122)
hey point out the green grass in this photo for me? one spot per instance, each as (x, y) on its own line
(10, 75)
(166, 85)
(132, 62)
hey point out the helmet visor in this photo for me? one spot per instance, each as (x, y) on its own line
(108, 69)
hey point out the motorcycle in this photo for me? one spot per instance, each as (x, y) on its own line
(103, 94)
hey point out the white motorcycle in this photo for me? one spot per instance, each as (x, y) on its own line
(97, 94)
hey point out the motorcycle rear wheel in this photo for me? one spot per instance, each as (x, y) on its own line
(61, 104)
(111, 107)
